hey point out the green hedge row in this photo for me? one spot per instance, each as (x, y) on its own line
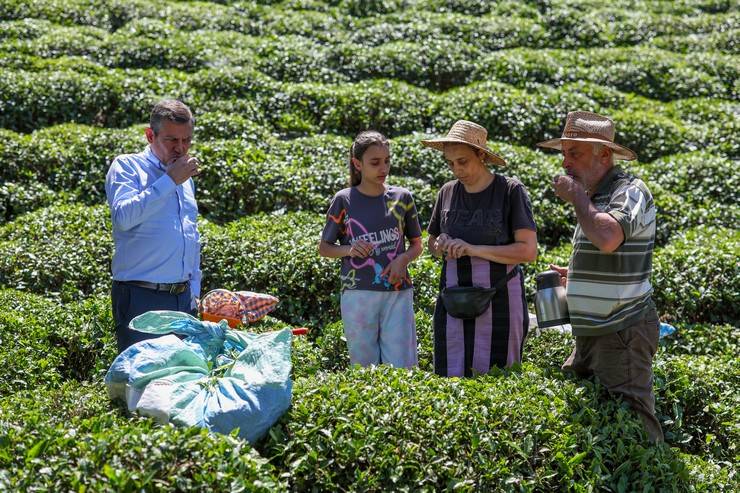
(520, 116)
(45, 343)
(545, 26)
(381, 428)
(252, 172)
(565, 25)
(725, 42)
(699, 397)
(386, 429)
(72, 439)
(570, 26)
(114, 14)
(484, 33)
(67, 250)
(657, 74)
(19, 198)
(696, 373)
(437, 63)
(623, 23)
(279, 255)
(678, 213)
(149, 43)
(29, 100)
(64, 250)
(696, 277)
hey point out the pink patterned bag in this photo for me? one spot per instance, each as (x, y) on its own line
(236, 307)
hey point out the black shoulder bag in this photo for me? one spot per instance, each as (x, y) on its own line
(468, 302)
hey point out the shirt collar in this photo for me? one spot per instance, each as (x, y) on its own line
(153, 159)
(607, 180)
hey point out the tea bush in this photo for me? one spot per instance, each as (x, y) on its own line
(513, 115)
(569, 26)
(228, 82)
(388, 106)
(345, 429)
(275, 254)
(712, 123)
(70, 438)
(437, 65)
(45, 343)
(697, 402)
(725, 42)
(634, 70)
(64, 250)
(423, 26)
(17, 199)
(313, 19)
(675, 214)
(696, 276)
(113, 15)
(279, 89)
(67, 249)
(29, 100)
(27, 358)
(24, 29)
(652, 136)
(278, 254)
(295, 59)
(55, 41)
(721, 342)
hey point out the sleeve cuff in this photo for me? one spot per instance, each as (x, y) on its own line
(623, 220)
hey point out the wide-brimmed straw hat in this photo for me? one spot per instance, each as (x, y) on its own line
(465, 132)
(584, 126)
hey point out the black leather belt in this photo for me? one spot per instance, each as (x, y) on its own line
(172, 288)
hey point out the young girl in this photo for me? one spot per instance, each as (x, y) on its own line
(371, 220)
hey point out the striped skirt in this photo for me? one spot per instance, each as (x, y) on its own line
(495, 338)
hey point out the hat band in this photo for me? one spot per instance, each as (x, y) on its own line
(585, 135)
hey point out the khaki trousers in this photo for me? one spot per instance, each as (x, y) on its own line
(623, 363)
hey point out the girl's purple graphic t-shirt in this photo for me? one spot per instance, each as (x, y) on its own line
(385, 221)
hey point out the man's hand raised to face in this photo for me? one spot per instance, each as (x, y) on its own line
(567, 188)
(183, 168)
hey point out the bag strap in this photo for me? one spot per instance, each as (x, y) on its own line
(508, 277)
(501, 282)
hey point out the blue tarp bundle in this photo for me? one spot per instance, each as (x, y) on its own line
(215, 378)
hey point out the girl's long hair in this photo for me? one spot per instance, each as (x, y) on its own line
(362, 143)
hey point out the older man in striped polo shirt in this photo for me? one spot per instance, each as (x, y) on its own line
(612, 314)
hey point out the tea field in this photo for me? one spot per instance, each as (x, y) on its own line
(279, 89)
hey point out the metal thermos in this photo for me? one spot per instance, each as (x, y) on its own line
(550, 302)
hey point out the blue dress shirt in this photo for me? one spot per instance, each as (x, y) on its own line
(154, 222)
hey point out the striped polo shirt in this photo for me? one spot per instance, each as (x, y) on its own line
(610, 291)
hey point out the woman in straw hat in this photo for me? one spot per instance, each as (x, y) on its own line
(482, 224)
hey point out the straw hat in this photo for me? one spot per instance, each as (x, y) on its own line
(465, 132)
(584, 126)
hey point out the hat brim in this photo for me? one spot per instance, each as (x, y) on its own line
(439, 144)
(620, 152)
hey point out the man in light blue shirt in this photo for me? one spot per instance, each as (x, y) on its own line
(156, 262)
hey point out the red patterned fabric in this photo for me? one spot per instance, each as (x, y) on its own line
(247, 306)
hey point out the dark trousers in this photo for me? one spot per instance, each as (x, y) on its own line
(623, 362)
(130, 301)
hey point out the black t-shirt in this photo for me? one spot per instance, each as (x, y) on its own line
(488, 217)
